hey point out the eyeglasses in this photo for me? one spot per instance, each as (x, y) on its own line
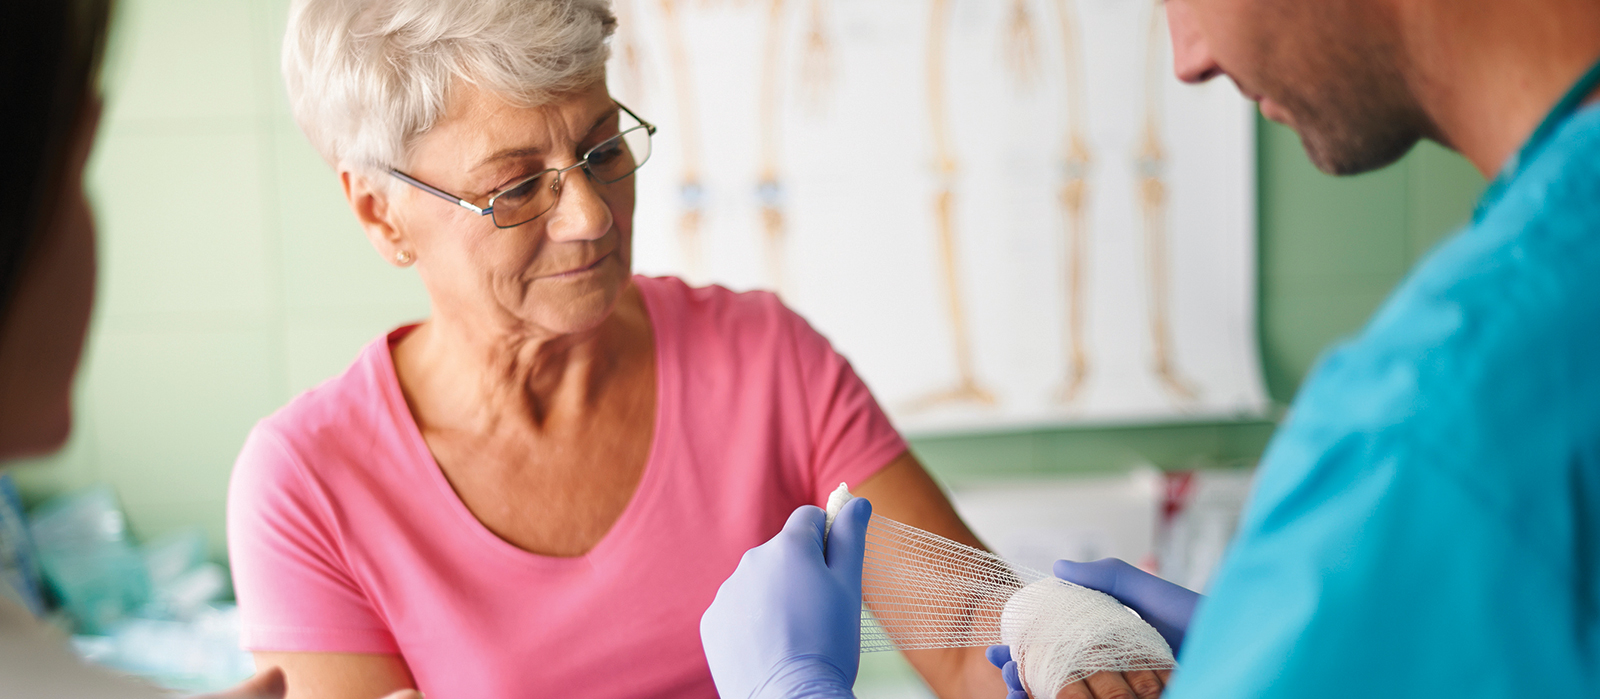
(613, 160)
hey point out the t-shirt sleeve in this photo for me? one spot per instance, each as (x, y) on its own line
(851, 437)
(294, 587)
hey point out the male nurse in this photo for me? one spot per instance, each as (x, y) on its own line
(1426, 522)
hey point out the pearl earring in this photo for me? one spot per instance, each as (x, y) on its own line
(403, 258)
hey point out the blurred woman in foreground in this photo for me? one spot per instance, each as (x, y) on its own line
(49, 108)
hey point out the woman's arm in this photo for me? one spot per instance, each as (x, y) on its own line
(339, 675)
(903, 491)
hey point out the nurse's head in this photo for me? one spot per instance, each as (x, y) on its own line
(49, 57)
(433, 112)
(1329, 69)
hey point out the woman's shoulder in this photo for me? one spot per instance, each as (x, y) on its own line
(344, 409)
(715, 308)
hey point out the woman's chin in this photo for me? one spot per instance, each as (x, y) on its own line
(576, 308)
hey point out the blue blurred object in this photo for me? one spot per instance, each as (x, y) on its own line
(89, 559)
(182, 581)
(19, 562)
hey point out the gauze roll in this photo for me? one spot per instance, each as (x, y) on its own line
(921, 590)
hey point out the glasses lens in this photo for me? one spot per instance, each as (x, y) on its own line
(618, 157)
(526, 200)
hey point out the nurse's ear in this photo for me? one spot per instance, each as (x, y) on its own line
(371, 203)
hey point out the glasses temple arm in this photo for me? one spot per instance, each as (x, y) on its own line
(648, 127)
(435, 191)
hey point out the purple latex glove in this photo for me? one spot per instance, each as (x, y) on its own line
(1162, 604)
(1001, 657)
(787, 623)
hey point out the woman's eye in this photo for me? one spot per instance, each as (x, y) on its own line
(605, 153)
(521, 191)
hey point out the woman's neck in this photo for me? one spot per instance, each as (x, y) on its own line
(475, 376)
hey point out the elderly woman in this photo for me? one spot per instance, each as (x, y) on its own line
(537, 490)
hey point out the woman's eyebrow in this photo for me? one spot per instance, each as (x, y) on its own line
(509, 154)
(529, 152)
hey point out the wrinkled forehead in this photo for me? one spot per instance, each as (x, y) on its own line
(481, 127)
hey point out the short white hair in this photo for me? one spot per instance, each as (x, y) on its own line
(367, 77)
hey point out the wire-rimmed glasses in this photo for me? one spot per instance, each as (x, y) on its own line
(613, 160)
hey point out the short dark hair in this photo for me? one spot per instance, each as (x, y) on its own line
(50, 53)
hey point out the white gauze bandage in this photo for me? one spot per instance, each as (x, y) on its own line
(921, 590)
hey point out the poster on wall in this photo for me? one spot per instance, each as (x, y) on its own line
(1005, 213)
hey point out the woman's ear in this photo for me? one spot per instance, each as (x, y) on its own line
(371, 206)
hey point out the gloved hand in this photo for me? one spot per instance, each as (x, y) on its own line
(787, 623)
(1164, 605)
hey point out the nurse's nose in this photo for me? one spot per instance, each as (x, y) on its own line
(1192, 61)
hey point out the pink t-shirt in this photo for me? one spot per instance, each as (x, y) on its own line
(345, 537)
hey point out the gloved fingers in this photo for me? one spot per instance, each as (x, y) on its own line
(1164, 605)
(806, 523)
(1145, 683)
(1012, 674)
(847, 541)
(1099, 575)
(1016, 694)
(998, 655)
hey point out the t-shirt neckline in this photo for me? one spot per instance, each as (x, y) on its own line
(639, 503)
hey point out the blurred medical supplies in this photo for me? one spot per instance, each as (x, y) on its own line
(1176, 524)
(153, 610)
(1033, 522)
(183, 582)
(89, 560)
(198, 655)
(1199, 513)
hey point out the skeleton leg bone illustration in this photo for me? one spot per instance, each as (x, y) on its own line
(1075, 162)
(1151, 161)
(1021, 45)
(625, 49)
(816, 65)
(769, 186)
(967, 388)
(691, 193)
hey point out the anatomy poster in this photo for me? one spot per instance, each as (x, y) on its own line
(1005, 213)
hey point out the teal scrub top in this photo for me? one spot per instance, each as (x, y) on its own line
(1427, 520)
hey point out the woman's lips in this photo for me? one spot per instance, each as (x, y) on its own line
(580, 270)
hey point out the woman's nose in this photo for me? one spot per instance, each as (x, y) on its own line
(1191, 57)
(581, 213)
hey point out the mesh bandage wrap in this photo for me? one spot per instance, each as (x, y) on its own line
(921, 590)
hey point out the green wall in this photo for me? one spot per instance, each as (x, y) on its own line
(233, 276)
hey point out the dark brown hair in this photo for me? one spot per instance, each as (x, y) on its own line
(50, 54)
